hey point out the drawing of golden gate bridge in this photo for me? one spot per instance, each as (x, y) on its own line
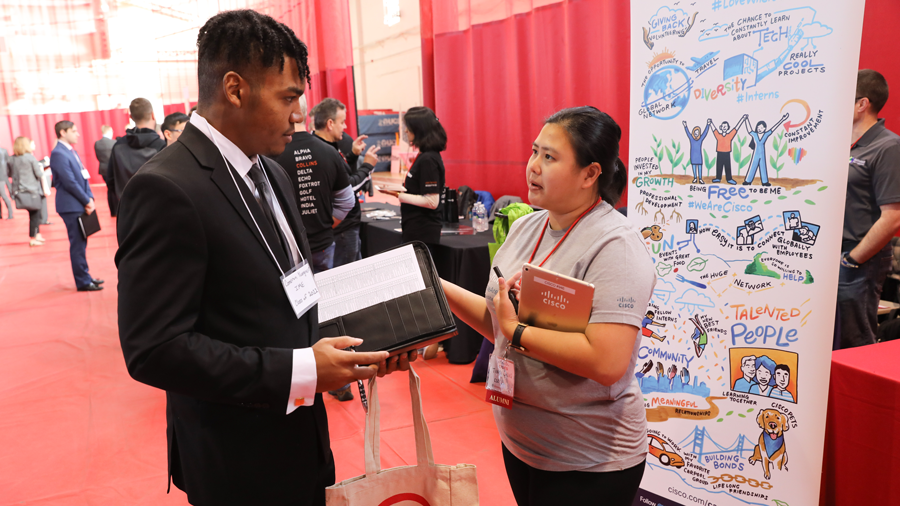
(698, 441)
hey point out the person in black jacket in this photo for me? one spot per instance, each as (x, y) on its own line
(419, 204)
(103, 150)
(323, 189)
(206, 231)
(172, 126)
(138, 146)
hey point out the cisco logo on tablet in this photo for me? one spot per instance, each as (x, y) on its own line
(554, 300)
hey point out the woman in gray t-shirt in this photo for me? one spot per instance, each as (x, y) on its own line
(577, 425)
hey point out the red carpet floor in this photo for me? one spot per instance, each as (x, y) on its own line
(75, 429)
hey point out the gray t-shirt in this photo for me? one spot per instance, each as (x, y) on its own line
(873, 181)
(560, 421)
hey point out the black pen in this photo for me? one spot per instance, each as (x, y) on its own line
(512, 296)
(362, 389)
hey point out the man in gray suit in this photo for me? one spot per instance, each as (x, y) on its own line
(5, 188)
(103, 150)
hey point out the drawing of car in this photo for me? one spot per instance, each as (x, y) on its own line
(664, 452)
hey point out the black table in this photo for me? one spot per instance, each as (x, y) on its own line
(463, 260)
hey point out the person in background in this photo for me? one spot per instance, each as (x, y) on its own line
(136, 147)
(5, 189)
(331, 131)
(73, 198)
(27, 176)
(421, 218)
(324, 194)
(173, 125)
(103, 149)
(577, 427)
(871, 213)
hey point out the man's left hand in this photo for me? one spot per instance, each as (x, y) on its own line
(397, 363)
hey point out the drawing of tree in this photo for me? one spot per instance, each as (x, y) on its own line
(674, 159)
(780, 146)
(736, 154)
(658, 152)
(708, 162)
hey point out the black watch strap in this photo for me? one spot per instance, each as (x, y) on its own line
(517, 337)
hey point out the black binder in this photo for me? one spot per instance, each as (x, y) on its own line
(89, 224)
(402, 324)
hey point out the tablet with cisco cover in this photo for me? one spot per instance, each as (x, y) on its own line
(553, 301)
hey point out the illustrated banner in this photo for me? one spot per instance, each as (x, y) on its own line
(740, 137)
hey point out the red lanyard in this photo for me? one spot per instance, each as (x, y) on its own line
(541, 238)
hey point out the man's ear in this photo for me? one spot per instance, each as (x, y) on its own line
(232, 85)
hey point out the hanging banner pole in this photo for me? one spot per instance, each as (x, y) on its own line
(740, 136)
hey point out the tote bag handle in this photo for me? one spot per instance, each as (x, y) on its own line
(424, 454)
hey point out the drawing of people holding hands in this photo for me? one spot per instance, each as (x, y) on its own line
(758, 145)
(696, 140)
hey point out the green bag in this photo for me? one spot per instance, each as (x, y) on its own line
(502, 224)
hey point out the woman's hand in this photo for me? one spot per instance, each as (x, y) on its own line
(506, 313)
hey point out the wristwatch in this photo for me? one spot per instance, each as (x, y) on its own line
(516, 343)
(848, 261)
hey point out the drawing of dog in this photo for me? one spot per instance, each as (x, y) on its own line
(771, 447)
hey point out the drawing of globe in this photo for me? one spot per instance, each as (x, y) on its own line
(667, 92)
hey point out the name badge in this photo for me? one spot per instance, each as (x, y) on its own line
(300, 287)
(501, 382)
(85, 174)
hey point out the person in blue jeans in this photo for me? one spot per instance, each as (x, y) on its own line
(758, 145)
(696, 140)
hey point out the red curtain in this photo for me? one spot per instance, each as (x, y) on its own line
(324, 25)
(500, 67)
(496, 80)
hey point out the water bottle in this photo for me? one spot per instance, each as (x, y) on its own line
(479, 217)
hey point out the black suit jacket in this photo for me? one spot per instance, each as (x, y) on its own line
(103, 149)
(203, 316)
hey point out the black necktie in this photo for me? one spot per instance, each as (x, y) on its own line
(259, 180)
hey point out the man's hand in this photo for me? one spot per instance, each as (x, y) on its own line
(336, 367)
(371, 156)
(359, 144)
(89, 208)
(397, 363)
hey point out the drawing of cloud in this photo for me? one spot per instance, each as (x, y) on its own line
(815, 29)
(663, 16)
(694, 298)
(663, 290)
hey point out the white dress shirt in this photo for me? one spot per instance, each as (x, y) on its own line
(303, 376)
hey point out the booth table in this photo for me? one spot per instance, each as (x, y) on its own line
(862, 447)
(463, 260)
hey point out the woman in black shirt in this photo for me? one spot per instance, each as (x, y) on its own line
(425, 179)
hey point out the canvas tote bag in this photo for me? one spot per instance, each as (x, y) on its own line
(424, 484)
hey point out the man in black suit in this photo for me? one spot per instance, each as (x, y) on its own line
(103, 150)
(203, 245)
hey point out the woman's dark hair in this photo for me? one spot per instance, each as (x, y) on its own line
(752, 142)
(246, 42)
(427, 131)
(595, 136)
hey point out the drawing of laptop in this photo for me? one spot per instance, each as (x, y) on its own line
(552, 301)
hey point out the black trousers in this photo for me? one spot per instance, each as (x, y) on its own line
(723, 160)
(111, 198)
(34, 222)
(534, 487)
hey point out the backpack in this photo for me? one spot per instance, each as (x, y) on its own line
(465, 199)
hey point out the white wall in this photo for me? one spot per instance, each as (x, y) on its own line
(387, 60)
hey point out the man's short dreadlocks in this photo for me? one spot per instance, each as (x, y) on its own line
(246, 42)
